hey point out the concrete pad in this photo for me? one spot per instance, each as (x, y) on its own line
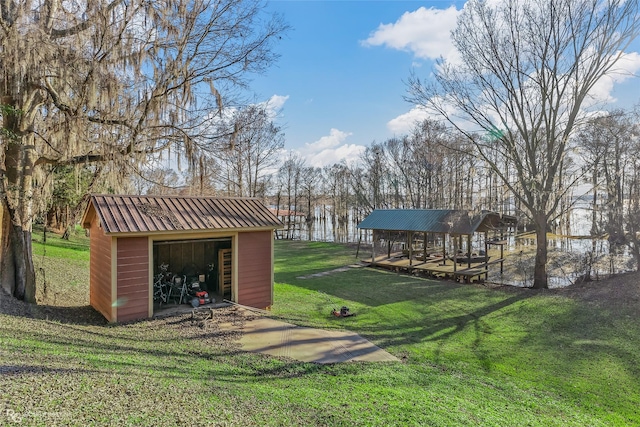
(276, 338)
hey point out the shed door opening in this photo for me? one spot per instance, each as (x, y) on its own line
(206, 261)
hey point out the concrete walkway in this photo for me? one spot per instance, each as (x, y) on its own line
(269, 336)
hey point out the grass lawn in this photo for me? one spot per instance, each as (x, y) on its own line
(470, 355)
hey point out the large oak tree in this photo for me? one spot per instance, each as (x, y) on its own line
(99, 81)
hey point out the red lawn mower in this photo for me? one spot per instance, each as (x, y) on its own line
(343, 312)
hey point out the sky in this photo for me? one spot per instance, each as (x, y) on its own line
(340, 80)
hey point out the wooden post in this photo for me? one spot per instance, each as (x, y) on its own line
(410, 234)
(373, 247)
(469, 251)
(455, 254)
(424, 248)
(444, 249)
(486, 248)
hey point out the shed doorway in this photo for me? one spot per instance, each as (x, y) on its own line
(180, 265)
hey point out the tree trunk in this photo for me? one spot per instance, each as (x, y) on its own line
(594, 215)
(17, 276)
(540, 280)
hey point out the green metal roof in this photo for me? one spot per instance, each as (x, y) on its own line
(434, 221)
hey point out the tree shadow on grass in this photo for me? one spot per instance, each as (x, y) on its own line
(373, 287)
(440, 329)
(76, 315)
(396, 310)
(589, 353)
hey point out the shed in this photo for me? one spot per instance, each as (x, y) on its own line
(226, 242)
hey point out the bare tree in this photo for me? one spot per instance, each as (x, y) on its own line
(338, 192)
(309, 188)
(159, 181)
(606, 142)
(426, 163)
(289, 176)
(253, 148)
(96, 81)
(371, 180)
(526, 69)
(610, 147)
(430, 168)
(632, 193)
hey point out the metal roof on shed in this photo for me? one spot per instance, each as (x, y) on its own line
(433, 221)
(153, 214)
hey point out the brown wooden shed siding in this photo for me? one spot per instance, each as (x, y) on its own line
(100, 270)
(133, 278)
(254, 269)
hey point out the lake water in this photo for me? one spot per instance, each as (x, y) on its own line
(571, 256)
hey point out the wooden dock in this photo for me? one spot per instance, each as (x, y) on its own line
(436, 267)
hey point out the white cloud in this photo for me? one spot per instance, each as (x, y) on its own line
(334, 139)
(626, 68)
(349, 153)
(424, 32)
(275, 104)
(277, 101)
(331, 149)
(404, 123)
